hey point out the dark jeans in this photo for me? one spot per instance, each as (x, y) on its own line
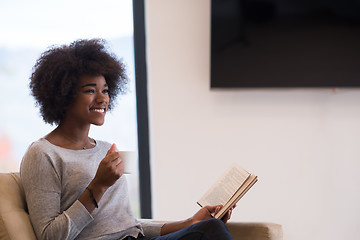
(205, 230)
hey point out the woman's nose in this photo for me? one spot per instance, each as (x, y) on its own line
(102, 98)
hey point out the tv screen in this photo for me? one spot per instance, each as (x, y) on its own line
(285, 43)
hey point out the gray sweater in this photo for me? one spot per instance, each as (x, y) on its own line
(53, 179)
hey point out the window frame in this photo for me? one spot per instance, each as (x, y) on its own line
(142, 108)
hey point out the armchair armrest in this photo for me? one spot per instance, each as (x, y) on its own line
(249, 230)
(255, 231)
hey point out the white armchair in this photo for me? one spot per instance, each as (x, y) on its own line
(15, 222)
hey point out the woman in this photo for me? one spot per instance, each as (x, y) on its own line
(74, 185)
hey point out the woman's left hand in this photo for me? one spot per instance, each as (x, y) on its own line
(205, 213)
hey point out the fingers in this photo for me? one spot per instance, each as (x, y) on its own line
(112, 155)
(112, 149)
(211, 209)
(215, 209)
(218, 208)
(227, 216)
(115, 163)
(113, 160)
(110, 168)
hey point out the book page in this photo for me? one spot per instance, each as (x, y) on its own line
(225, 187)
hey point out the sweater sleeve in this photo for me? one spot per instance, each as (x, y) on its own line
(42, 186)
(151, 228)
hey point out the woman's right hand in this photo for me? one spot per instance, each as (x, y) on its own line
(110, 169)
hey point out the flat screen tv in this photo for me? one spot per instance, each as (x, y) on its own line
(285, 43)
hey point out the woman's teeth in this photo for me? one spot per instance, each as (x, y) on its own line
(99, 110)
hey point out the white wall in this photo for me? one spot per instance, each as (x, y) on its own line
(302, 143)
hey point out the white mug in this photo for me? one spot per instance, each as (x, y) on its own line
(130, 159)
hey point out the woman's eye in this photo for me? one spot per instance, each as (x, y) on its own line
(90, 91)
(106, 91)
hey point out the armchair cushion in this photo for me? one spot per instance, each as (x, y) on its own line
(14, 220)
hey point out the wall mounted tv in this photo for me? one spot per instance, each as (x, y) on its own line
(285, 43)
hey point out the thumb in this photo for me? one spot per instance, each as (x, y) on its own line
(211, 209)
(217, 209)
(112, 149)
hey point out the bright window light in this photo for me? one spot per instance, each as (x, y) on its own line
(27, 28)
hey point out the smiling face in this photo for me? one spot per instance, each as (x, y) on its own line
(91, 102)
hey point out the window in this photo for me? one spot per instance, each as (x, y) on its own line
(27, 29)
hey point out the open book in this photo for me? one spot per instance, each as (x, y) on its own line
(228, 189)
